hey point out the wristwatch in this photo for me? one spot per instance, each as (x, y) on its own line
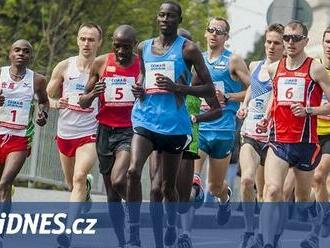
(309, 110)
(226, 96)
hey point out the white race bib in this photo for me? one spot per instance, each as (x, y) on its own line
(290, 90)
(119, 91)
(219, 86)
(251, 122)
(14, 114)
(166, 68)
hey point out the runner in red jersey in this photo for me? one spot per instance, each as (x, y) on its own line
(111, 79)
(298, 82)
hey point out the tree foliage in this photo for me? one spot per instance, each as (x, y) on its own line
(258, 52)
(51, 26)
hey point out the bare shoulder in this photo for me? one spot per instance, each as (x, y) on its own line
(316, 66)
(62, 66)
(317, 71)
(39, 78)
(235, 58)
(190, 46)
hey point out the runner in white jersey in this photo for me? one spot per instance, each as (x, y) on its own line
(76, 133)
(253, 150)
(18, 87)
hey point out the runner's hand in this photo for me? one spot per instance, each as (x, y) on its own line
(2, 98)
(42, 118)
(262, 125)
(221, 98)
(165, 83)
(242, 112)
(298, 110)
(99, 88)
(138, 91)
(62, 103)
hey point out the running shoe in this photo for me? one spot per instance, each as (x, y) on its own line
(325, 227)
(246, 240)
(170, 235)
(311, 241)
(199, 196)
(224, 210)
(184, 241)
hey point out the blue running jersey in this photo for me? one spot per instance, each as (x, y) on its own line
(159, 111)
(220, 74)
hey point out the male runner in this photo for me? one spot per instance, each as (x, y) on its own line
(323, 169)
(216, 138)
(160, 118)
(186, 193)
(323, 130)
(298, 82)
(76, 127)
(111, 79)
(253, 150)
(18, 87)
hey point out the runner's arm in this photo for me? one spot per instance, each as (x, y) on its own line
(138, 88)
(56, 80)
(239, 71)
(94, 86)
(320, 75)
(41, 95)
(203, 86)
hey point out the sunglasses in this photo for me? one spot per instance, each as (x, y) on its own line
(217, 31)
(293, 37)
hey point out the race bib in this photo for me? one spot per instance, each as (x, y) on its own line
(165, 68)
(251, 122)
(290, 90)
(14, 114)
(219, 86)
(73, 94)
(119, 91)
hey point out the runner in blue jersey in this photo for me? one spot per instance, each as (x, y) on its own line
(188, 194)
(253, 109)
(160, 118)
(230, 77)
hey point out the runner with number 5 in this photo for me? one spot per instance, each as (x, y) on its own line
(111, 79)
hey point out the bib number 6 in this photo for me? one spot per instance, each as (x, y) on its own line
(289, 93)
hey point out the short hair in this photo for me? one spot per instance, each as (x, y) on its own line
(327, 30)
(295, 24)
(178, 6)
(275, 27)
(217, 18)
(92, 25)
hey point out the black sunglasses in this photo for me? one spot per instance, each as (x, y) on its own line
(217, 31)
(293, 37)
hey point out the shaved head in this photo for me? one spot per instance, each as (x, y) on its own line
(125, 31)
(22, 42)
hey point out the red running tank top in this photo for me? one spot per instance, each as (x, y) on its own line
(117, 102)
(294, 86)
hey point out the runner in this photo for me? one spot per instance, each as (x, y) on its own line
(323, 130)
(76, 127)
(253, 150)
(322, 171)
(18, 87)
(186, 193)
(111, 79)
(216, 138)
(298, 82)
(160, 118)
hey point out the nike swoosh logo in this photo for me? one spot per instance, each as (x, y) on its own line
(71, 78)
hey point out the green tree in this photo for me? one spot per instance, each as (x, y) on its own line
(258, 52)
(51, 26)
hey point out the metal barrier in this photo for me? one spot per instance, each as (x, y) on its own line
(44, 166)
